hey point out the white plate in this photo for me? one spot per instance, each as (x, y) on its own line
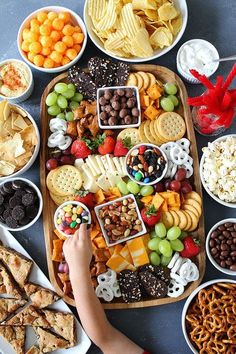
(38, 277)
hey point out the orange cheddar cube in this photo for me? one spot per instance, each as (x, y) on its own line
(118, 263)
(117, 249)
(94, 233)
(164, 206)
(151, 112)
(146, 100)
(147, 200)
(154, 92)
(100, 242)
(57, 250)
(126, 254)
(138, 251)
(157, 200)
(111, 250)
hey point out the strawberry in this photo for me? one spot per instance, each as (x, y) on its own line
(122, 147)
(191, 247)
(106, 144)
(150, 215)
(80, 149)
(86, 198)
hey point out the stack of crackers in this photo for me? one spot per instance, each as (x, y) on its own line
(54, 329)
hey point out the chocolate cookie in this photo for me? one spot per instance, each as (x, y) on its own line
(11, 222)
(83, 82)
(102, 71)
(28, 199)
(129, 286)
(14, 201)
(18, 184)
(122, 74)
(146, 267)
(162, 273)
(1, 199)
(7, 187)
(18, 213)
(6, 213)
(31, 211)
(154, 287)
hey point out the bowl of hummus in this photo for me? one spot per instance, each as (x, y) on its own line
(16, 80)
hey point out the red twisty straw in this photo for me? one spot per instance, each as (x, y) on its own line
(218, 99)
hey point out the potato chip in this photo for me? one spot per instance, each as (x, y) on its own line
(167, 12)
(18, 122)
(151, 14)
(144, 5)
(97, 9)
(115, 40)
(6, 168)
(2, 106)
(141, 46)
(161, 38)
(109, 18)
(128, 22)
(175, 25)
(29, 135)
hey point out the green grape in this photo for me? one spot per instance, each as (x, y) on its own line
(170, 89)
(164, 246)
(77, 97)
(71, 87)
(154, 243)
(174, 99)
(68, 94)
(133, 187)
(146, 190)
(168, 253)
(61, 116)
(160, 230)
(51, 99)
(153, 234)
(73, 105)
(155, 259)
(54, 110)
(62, 102)
(177, 245)
(122, 187)
(165, 260)
(69, 116)
(167, 104)
(173, 233)
(61, 87)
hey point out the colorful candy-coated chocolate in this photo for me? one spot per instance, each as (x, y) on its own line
(146, 180)
(138, 176)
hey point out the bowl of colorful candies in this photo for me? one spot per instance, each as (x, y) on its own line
(146, 164)
(69, 216)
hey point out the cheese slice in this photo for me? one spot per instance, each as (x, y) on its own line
(100, 164)
(112, 167)
(113, 179)
(103, 183)
(93, 162)
(78, 163)
(118, 166)
(118, 263)
(138, 251)
(105, 163)
(126, 254)
(89, 182)
(122, 162)
(90, 166)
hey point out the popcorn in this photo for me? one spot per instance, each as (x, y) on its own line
(219, 168)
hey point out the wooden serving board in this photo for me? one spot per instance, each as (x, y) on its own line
(164, 75)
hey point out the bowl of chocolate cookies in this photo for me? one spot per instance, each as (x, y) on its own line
(21, 204)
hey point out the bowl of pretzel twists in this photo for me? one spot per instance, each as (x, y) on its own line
(209, 318)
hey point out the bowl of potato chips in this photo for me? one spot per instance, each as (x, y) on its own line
(19, 140)
(135, 30)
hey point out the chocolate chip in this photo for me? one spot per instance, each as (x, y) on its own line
(28, 199)
(18, 213)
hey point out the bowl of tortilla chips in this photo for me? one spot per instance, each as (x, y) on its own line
(135, 30)
(19, 140)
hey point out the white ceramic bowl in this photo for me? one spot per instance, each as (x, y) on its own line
(218, 200)
(101, 90)
(187, 76)
(35, 153)
(73, 202)
(77, 20)
(187, 303)
(98, 207)
(156, 180)
(31, 184)
(181, 6)
(215, 264)
(26, 94)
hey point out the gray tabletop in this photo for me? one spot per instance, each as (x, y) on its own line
(157, 329)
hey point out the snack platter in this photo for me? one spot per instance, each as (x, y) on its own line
(164, 75)
(37, 276)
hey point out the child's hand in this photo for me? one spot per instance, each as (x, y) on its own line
(78, 250)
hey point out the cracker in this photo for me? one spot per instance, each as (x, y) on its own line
(167, 219)
(171, 126)
(146, 79)
(194, 208)
(160, 138)
(147, 131)
(175, 217)
(131, 133)
(49, 180)
(189, 223)
(142, 133)
(132, 80)
(183, 221)
(153, 133)
(60, 199)
(194, 220)
(152, 79)
(66, 180)
(194, 195)
(139, 81)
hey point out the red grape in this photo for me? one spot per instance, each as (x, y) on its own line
(159, 187)
(180, 174)
(61, 268)
(67, 160)
(51, 164)
(175, 186)
(67, 151)
(66, 268)
(186, 187)
(167, 184)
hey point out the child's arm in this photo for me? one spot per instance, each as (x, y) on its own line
(78, 254)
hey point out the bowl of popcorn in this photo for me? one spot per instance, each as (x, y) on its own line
(69, 216)
(52, 39)
(218, 170)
